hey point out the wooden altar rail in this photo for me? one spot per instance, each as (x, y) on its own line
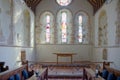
(17, 70)
(90, 62)
(93, 62)
(107, 63)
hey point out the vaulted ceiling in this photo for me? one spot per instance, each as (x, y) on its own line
(95, 3)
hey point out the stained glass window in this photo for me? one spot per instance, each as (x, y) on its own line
(64, 26)
(45, 31)
(64, 2)
(80, 29)
(47, 28)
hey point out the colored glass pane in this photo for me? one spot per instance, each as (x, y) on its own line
(47, 28)
(80, 29)
(64, 2)
(64, 27)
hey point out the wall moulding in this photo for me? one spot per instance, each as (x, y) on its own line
(107, 46)
(15, 46)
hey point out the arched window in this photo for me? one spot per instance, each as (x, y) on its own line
(82, 33)
(63, 2)
(45, 28)
(80, 28)
(64, 27)
(48, 28)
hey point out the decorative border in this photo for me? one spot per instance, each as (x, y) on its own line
(15, 46)
(107, 47)
(64, 44)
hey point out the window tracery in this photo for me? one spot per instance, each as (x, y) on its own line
(63, 2)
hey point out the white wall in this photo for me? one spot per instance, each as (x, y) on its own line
(11, 23)
(113, 49)
(44, 52)
(20, 10)
(11, 55)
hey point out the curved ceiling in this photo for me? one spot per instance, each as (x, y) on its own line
(95, 3)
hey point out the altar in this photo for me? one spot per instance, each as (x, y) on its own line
(65, 55)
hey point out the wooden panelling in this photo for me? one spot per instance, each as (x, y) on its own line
(96, 4)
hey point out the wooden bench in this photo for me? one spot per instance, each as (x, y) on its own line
(112, 70)
(5, 75)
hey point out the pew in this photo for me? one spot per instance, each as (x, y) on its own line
(16, 70)
(90, 73)
(112, 70)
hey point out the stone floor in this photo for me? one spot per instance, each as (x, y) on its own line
(64, 79)
(65, 73)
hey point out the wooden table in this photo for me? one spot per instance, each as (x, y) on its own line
(64, 55)
(90, 75)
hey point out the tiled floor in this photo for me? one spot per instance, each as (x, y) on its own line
(64, 79)
(63, 73)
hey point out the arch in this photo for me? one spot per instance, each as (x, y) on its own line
(41, 29)
(102, 29)
(105, 53)
(69, 32)
(27, 27)
(85, 27)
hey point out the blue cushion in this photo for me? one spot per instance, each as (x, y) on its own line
(104, 74)
(111, 76)
(11, 78)
(17, 77)
(25, 74)
(118, 78)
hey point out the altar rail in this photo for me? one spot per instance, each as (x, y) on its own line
(75, 63)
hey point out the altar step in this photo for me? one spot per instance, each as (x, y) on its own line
(65, 79)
